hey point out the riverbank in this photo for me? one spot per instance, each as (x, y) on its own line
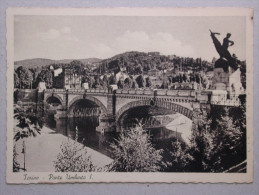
(42, 151)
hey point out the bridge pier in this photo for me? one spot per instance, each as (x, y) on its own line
(61, 114)
(106, 124)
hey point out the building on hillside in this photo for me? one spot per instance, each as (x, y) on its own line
(172, 57)
(58, 72)
(72, 80)
(121, 76)
(154, 73)
(170, 72)
(153, 53)
(155, 81)
(41, 86)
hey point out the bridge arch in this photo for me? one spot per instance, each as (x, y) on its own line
(89, 98)
(168, 105)
(48, 97)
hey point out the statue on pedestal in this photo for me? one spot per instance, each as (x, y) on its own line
(223, 51)
(225, 78)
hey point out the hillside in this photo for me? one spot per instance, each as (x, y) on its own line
(41, 62)
(32, 63)
(138, 62)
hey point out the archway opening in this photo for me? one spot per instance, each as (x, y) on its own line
(53, 101)
(148, 116)
(162, 123)
(52, 105)
(83, 116)
(84, 108)
(164, 126)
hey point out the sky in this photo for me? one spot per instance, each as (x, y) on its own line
(81, 37)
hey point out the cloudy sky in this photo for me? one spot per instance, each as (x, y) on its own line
(77, 37)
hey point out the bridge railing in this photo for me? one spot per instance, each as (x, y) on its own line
(225, 100)
(55, 90)
(151, 92)
(159, 92)
(78, 90)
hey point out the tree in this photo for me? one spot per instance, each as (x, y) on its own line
(25, 77)
(148, 82)
(16, 80)
(133, 152)
(203, 151)
(29, 124)
(229, 140)
(73, 158)
(217, 144)
(128, 82)
(120, 84)
(112, 80)
(97, 83)
(180, 158)
(78, 67)
(105, 81)
(140, 81)
(90, 81)
(46, 76)
(134, 84)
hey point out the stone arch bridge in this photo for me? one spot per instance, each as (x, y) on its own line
(113, 104)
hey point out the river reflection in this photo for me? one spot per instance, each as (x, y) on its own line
(161, 138)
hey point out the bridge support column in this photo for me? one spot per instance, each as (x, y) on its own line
(107, 121)
(106, 124)
(61, 114)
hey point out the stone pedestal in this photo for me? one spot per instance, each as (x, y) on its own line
(226, 78)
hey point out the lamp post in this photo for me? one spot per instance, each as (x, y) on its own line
(24, 151)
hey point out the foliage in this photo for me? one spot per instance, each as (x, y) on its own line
(229, 141)
(25, 77)
(133, 152)
(140, 62)
(128, 83)
(73, 158)
(120, 84)
(16, 80)
(140, 81)
(112, 80)
(217, 144)
(29, 124)
(203, 151)
(148, 82)
(46, 76)
(180, 158)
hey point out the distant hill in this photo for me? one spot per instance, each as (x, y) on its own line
(135, 62)
(41, 62)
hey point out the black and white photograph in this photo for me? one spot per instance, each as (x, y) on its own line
(129, 95)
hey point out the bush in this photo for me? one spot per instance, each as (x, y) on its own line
(133, 152)
(73, 158)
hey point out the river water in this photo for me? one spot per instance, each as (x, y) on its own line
(161, 138)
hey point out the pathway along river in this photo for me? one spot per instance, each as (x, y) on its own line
(161, 138)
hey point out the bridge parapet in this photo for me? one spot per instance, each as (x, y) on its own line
(151, 92)
(157, 92)
(77, 91)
